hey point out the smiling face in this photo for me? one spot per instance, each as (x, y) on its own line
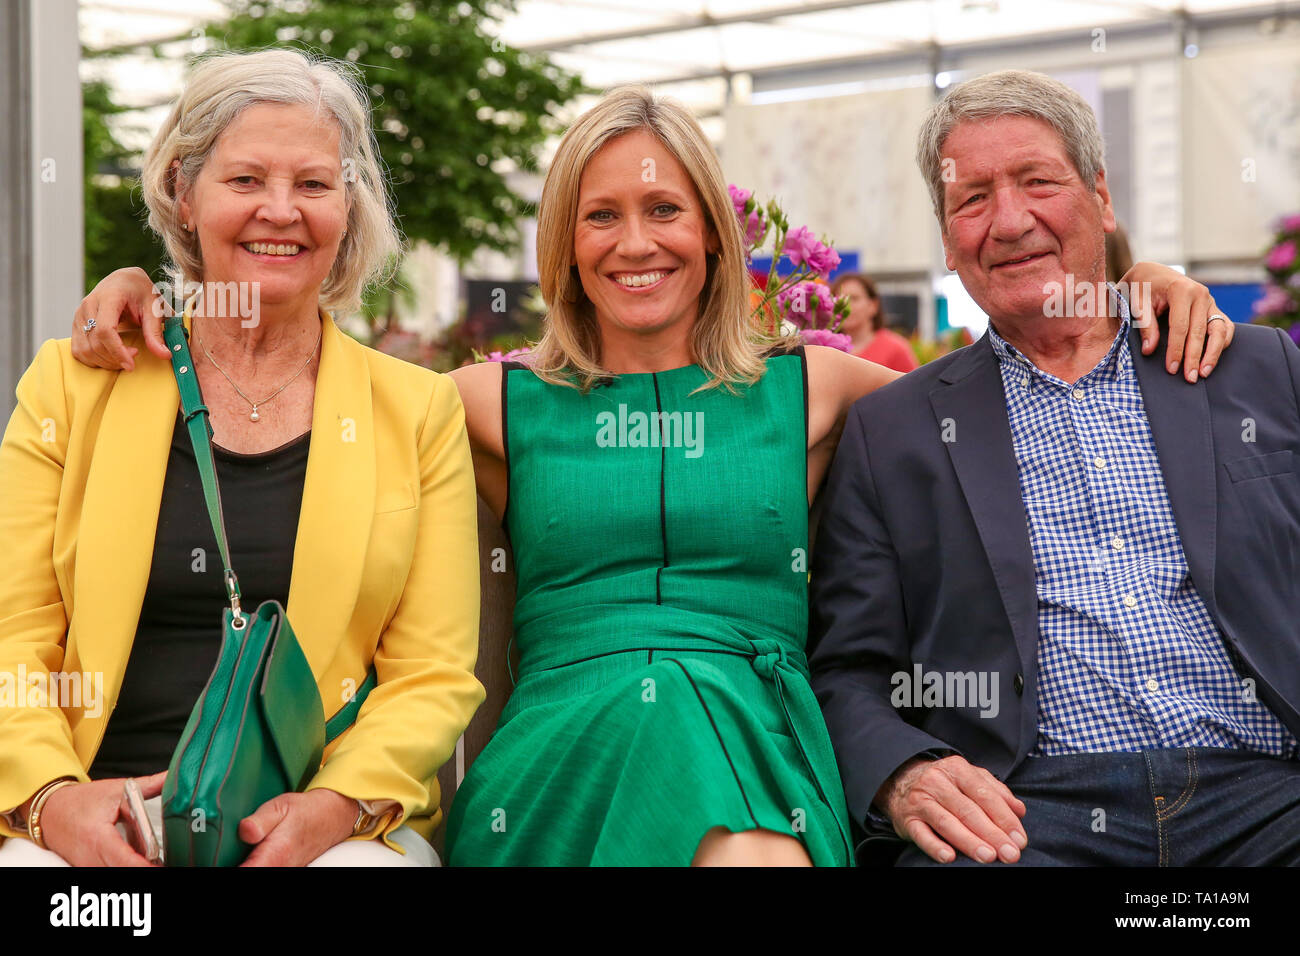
(641, 237)
(1018, 217)
(269, 205)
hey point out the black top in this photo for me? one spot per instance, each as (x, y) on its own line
(179, 633)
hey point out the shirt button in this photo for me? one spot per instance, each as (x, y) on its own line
(1099, 462)
(1152, 684)
(1077, 393)
(1130, 601)
(1118, 544)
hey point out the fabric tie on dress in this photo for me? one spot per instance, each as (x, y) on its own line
(768, 655)
(621, 630)
(771, 661)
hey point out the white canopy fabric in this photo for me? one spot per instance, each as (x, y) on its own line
(687, 47)
(690, 47)
(726, 58)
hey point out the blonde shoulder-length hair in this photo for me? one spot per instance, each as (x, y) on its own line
(724, 341)
(220, 87)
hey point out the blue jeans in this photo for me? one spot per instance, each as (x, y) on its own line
(1197, 807)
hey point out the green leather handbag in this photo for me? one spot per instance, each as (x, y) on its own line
(258, 729)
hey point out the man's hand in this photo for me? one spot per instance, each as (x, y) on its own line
(295, 828)
(78, 822)
(947, 804)
(125, 294)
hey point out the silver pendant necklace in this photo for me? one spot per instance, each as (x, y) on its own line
(254, 416)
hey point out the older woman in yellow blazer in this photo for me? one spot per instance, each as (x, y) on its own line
(265, 174)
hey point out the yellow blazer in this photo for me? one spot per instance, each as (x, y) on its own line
(385, 563)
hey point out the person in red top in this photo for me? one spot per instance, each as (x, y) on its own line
(865, 325)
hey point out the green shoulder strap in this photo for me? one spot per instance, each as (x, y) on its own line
(196, 422)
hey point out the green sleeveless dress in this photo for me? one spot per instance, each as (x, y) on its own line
(660, 541)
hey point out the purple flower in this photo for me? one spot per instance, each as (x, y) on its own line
(1289, 223)
(807, 304)
(836, 340)
(803, 248)
(1282, 256)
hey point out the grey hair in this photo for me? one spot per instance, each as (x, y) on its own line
(220, 87)
(1011, 93)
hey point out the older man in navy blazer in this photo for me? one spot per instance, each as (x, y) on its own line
(1055, 589)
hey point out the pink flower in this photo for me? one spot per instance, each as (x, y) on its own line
(752, 222)
(1274, 301)
(739, 197)
(836, 340)
(514, 355)
(1282, 256)
(807, 304)
(1289, 223)
(803, 248)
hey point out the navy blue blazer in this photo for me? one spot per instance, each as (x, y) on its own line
(923, 552)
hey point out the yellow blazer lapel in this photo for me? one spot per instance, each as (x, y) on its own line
(119, 519)
(338, 501)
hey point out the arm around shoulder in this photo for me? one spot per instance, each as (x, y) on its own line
(480, 389)
(835, 381)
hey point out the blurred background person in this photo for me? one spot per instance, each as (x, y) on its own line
(865, 325)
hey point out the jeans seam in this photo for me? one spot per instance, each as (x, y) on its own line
(1193, 779)
(1165, 813)
(1160, 825)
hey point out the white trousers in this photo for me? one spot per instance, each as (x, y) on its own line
(20, 851)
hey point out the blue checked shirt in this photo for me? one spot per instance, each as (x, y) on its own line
(1128, 657)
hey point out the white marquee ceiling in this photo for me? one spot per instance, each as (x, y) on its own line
(688, 48)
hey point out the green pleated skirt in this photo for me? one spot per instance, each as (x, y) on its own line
(630, 758)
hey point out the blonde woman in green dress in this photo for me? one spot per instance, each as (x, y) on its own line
(663, 715)
(653, 465)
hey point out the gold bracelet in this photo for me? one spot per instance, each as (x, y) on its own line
(368, 824)
(365, 821)
(38, 804)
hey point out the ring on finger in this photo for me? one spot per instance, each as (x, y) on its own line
(90, 324)
(1217, 317)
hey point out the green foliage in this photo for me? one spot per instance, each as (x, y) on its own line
(115, 230)
(452, 108)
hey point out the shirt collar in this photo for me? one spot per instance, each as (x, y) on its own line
(1117, 365)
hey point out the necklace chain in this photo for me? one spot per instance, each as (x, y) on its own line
(254, 416)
